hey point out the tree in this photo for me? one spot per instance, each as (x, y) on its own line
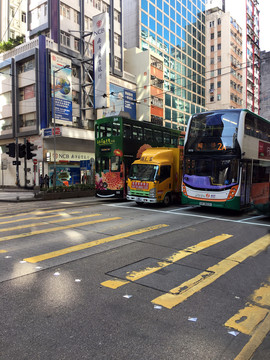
(11, 43)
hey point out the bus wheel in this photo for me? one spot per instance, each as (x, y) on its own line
(167, 200)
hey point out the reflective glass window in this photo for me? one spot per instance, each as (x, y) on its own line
(172, 3)
(159, 16)
(166, 21)
(152, 10)
(152, 24)
(166, 34)
(159, 29)
(144, 5)
(166, 8)
(173, 39)
(172, 26)
(144, 18)
(159, 4)
(172, 13)
(178, 19)
(144, 33)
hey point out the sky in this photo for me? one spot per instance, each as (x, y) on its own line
(264, 6)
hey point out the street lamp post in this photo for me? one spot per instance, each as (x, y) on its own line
(54, 137)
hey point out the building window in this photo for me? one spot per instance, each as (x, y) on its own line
(117, 63)
(117, 39)
(27, 66)
(23, 17)
(211, 24)
(76, 44)
(212, 99)
(117, 16)
(27, 92)
(219, 34)
(219, 47)
(219, 59)
(212, 36)
(212, 48)
(219, 21)
(76, 17)
(218, 97)
(219, 71)
(212, 61)
(65, 39)
(219, 84)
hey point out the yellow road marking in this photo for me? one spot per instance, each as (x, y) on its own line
(257, 338)
(45, 223)
(90, 244)
(37, 232)
(3, 251)
(37, 212)
(136, 275)
(38, 218)
(182, 292)
(253, 320)
(247, 319)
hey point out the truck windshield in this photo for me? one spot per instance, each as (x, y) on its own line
(143, 172)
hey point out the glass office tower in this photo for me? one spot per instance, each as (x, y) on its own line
(175, 30)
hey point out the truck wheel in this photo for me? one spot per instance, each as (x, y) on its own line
(167, 200)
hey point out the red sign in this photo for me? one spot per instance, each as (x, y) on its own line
(141, 185)
(264, 150)
(35, 161)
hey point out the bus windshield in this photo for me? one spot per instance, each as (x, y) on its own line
(211, 173)
(143, 172)
(213, 131)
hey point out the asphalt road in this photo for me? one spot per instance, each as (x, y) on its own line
(86, 279)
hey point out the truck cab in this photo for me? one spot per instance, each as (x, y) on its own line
(156, 176)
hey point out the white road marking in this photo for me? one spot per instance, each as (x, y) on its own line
(243, 221)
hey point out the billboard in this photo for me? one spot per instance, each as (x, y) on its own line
(62, 89)
(101, 60)
(121, 99)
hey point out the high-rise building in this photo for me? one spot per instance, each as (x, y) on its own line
(246, 13)
(175, 31)
(265, 85)
(13, 19)
(224, 74)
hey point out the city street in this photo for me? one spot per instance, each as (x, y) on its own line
(92, 279)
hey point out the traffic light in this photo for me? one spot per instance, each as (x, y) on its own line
(29, 149)
(11, 150)
(22, 151)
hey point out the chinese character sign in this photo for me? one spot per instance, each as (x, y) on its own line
(101, 59)
(63, 88)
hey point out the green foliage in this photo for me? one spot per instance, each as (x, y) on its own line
(11, 43)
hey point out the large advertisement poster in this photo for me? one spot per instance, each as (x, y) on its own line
(101, 60)
(121, 99)
(61, 89)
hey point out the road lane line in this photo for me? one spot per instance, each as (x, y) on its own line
(90, 244)
(136, 275)
(48, 222)
(38, 218)
(182, 292)
(38, 232)
(37, 212)
(184, 214)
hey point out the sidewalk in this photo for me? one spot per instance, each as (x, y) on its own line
(16, 195)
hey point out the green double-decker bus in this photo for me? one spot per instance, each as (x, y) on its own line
(120, 141)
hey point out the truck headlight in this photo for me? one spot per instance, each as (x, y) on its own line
(152, 193)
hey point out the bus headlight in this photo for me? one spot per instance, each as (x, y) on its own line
(152, 193)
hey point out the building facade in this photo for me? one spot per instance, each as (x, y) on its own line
(47, 90)
(13, 19)
(175, 31)
(224, 73)
(265, 85)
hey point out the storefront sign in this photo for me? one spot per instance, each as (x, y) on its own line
(69, 155)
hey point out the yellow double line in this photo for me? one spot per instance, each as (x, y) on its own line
(182, 292)
(90, 244)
